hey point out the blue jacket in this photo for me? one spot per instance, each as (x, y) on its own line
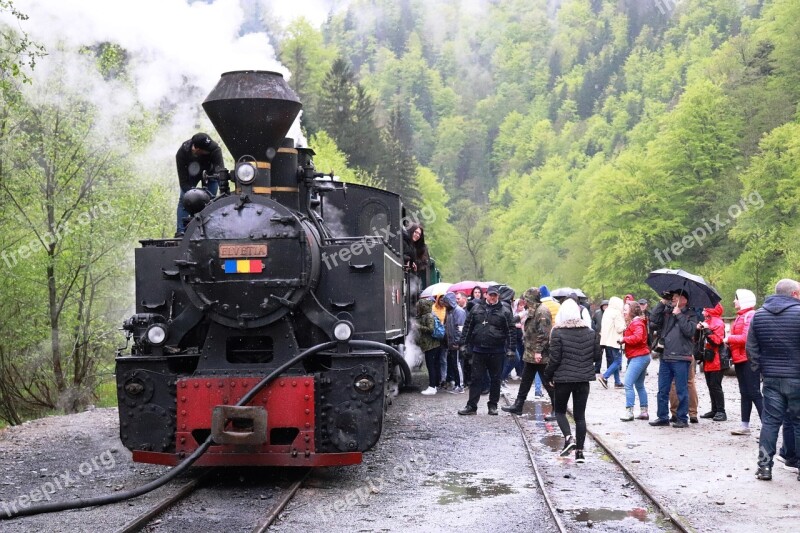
(773, 342)
(455, 318)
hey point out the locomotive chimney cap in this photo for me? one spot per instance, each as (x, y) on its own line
(252, 110)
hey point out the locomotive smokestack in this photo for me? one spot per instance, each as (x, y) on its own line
(252, 111)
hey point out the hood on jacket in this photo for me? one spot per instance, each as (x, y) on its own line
(449, 300)
(424, 306)
(778, 303)
(746, 298)
(570, 311)
(506, 294)
(615, 302)
(716, 311)
(532, 296)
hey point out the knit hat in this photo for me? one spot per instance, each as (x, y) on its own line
(746, 298)
(544, 292)
(202, 141)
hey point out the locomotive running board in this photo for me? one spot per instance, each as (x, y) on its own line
(253, 459)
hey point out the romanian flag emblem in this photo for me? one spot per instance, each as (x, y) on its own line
(243, 266)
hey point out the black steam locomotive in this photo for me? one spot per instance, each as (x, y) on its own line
(259, 293)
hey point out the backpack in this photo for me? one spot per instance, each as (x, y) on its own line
(438, 328)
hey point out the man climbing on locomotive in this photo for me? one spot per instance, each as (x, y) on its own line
(195, 156)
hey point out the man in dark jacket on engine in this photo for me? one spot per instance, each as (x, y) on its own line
(196, 155)
(489, 332)
(678, 323)
(773, 347)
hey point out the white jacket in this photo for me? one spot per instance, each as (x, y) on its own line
(613, 323)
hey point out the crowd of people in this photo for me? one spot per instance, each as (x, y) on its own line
(559, 346)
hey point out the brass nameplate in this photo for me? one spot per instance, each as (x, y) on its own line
(229, 251)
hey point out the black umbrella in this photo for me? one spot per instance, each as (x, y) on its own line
(700, 293)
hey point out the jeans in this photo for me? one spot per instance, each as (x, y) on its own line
(714, 382)
(537, 385)
(749, 390)
(182, 214)
(781, 398)
(669, 371)
(673, 396)
(634, 379)
(456, 369)
(481, 363)
(615, 365)
(580, 394)
(508, 366)
(789, 447)
(442, 364)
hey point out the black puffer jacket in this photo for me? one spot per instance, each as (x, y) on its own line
(773, 342)
(489, 329)
(573, 353)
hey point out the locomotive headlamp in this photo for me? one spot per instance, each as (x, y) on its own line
(156, 334)
(343, 330)
(245, 173)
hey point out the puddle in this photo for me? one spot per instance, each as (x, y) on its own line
(608, 515)
(465, 486)
(553, 441)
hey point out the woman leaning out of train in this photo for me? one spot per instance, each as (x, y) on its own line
(745, 303)
(637, 351)
(430, 346)
(572, 357)
(714, 329)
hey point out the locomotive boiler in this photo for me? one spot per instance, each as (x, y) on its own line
(288, 282)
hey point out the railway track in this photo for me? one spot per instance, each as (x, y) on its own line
(666, 512)
(261, 523)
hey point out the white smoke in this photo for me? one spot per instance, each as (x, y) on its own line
(176, 51)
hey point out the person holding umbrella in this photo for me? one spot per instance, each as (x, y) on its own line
(677, 323)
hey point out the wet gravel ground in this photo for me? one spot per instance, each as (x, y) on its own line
(433, 470)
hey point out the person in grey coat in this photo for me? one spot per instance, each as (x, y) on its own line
(573, 353)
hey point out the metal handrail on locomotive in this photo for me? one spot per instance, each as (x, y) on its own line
(259, 277)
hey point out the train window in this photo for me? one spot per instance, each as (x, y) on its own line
(373, 218)
(250, 349)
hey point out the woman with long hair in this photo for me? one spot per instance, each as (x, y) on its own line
(637, 351)
(571, 368)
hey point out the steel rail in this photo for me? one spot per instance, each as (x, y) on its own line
(145, 518)
(276, 510)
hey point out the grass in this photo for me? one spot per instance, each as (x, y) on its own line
(107, 393)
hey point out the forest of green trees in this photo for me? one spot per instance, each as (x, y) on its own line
(573, 143)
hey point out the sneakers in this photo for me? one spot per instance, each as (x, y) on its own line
(741, 431)
(430, 391)
(457, 390)
(791, 467)
(680, 424)
(673, 419)
(720, 417)
(659, 422)
(569, 444)
(602, 381)
(764, 473)
(619, 386)
(643, 415)
(579, 458)
(550, 418)
(492, 410)
(628, 416)
(709, 414)
(468, 410)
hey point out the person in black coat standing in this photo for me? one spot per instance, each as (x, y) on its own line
(489, 333)
(195, 156)
(573, 353)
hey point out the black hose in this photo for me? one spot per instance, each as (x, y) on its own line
(52, 507)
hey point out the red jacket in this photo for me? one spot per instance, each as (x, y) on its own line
(717, 326)
(738, 337)
(635, 338)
